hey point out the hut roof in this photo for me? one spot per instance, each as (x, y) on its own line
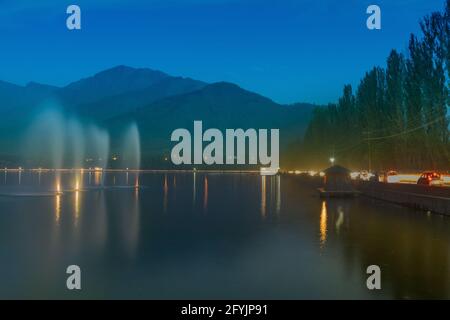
(336, 169)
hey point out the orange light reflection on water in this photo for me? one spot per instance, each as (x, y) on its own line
(323, 224)
(263, 196)
(205, 194)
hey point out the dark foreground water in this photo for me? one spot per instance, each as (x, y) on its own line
(211, 236)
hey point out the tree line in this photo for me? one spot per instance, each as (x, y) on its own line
(398, 116)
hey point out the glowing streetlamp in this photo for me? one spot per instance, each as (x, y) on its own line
(332, 160)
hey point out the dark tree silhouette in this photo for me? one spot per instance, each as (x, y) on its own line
(398, 116)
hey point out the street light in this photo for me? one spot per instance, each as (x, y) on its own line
(332, 160)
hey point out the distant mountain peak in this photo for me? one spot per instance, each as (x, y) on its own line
(224, 84)
(157, 102)
(121, 67)
(110, 82)
(126, 70)
(37, 85)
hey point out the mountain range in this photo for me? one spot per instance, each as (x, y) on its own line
(157, 102)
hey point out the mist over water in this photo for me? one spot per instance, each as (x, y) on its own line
(75, 155)
(131, 148)
(44, 142)
(98, 146)
(55, 140)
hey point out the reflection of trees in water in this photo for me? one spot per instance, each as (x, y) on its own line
(412, 249)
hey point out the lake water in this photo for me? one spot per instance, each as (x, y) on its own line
(198, 235)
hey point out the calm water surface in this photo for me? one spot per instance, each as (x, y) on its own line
(211, 236)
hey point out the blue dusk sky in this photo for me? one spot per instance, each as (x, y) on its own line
(289, 51)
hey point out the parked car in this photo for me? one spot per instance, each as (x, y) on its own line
(430, 178)
(364, 175)
(375, 177)
(392, 177)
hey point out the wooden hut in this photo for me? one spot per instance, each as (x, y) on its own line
(337, 183)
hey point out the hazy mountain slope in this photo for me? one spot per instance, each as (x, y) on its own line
(14, 96)
(111, 92)
(111, 82)
(157, 102)
(18, 102)
(219, 105)
(114, 105)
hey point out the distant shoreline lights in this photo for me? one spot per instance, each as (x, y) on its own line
(236, 141)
